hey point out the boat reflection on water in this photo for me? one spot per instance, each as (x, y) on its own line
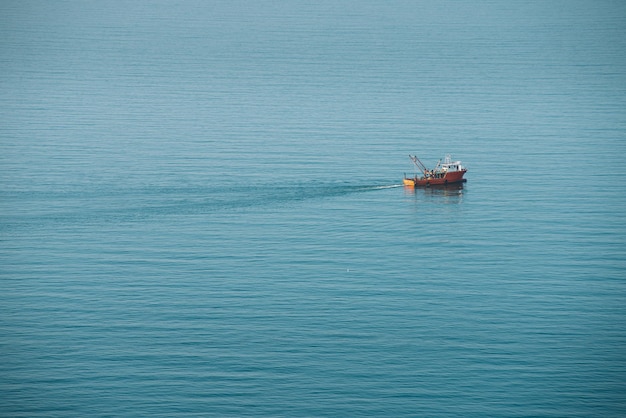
(451, 193)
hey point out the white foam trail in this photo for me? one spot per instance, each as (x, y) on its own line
(391, 186)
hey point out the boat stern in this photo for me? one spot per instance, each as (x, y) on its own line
(408, 182)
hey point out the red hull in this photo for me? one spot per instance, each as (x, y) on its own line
(448, 178)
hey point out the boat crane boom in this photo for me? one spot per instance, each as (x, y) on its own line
(418, 163)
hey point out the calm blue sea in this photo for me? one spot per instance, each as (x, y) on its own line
(201, 210)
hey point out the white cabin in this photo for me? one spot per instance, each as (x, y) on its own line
(450, 166)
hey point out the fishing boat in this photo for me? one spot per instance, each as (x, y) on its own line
(444, 173)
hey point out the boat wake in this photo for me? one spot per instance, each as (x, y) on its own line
(267, 195)
(136, 204)
(391, 186)
(333, 190)
(307, 191)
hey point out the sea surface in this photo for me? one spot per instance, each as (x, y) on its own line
(201, 209)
